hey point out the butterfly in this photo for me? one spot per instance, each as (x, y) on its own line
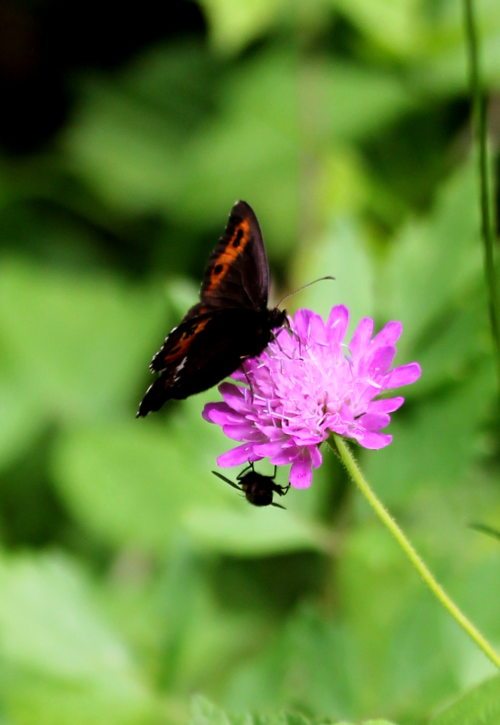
(258, 489)
(230, 322)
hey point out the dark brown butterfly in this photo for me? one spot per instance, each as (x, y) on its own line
(230, 323)
(258, 489)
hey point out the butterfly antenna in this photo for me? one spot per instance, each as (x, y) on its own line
(308, 284)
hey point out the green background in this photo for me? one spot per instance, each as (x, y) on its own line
(134, 586)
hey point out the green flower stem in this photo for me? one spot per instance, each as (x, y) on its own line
(485, 196)
(340, 446)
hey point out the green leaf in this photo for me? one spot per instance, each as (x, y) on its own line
(139, 152)
(435, 262)
(342, 253)
(445, 424)
(128, 135)
(441, 58)
(140, 483)
(254, 532)
(488, 530)
(36, 700)
(21, 418)
(479, 706)
(88, 335)
(311, 664)
(123, 148)
(393, 26)
(428, 38)
(249, 141)
(131, 483)
(410, 653)
(234, 25)
(360, 100)
(454, 344)
(204, 712)
(63, 659)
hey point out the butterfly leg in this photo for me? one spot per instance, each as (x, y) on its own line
(248, 379)
(288, 327)
(275, 338)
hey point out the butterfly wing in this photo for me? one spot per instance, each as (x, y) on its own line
(179, 340)
(230, 322)
(203, 350)
(237, 274)
(171, 358)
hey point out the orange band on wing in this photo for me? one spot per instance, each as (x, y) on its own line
(235, 245)
(183, 343)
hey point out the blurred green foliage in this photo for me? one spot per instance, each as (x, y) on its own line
(131, 580)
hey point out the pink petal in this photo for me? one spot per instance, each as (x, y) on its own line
(271, 432)
(220, 413)
(341, 429)
(388, 405)
(216, 412)
(316, 457)
(402, 375)
(317, 332)
(286, 339)
(301, 436)
(285, 456)
(268, 449)
(304, 384)
(346, 413)
(247, 365)
(361, 337)
(302, 322)
(337, 322)
(237, 456)
(242, 432)
(374, 421)
(389, 334)
(301, 472)
(381, 360)
(239, 375)
(234, 396)
(374, 441)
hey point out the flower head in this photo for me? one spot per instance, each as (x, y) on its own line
(307, 384)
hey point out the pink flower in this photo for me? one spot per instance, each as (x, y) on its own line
(307, 384)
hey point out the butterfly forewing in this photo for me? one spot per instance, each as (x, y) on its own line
(237, 273)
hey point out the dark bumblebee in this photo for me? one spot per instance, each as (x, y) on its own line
(257, 487)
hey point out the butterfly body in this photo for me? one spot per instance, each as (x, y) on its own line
(230, 323)
(257, 487)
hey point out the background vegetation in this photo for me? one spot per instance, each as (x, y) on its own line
(131, 579)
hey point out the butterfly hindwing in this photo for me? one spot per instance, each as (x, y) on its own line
(179, 340)
(197, 354)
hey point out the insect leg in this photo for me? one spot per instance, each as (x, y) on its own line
(226, 480)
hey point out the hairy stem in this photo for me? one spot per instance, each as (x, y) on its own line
(343, 450)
